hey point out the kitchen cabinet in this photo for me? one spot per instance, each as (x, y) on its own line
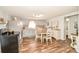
(57, 34)
(9, 43)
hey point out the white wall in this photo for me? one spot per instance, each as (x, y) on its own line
(4, 16)
(1, 14)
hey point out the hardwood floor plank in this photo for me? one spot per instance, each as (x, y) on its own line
(57, 46)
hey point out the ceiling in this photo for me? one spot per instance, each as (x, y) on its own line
(47, 11)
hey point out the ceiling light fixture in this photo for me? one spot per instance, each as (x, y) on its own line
(67, 19)
(38, 15)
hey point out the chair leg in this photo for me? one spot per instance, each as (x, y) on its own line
(36, 39)
(51, 41)
(41, 41)
(47, 41)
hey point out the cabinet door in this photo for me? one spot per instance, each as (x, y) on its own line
(56, 34)
(9, 44)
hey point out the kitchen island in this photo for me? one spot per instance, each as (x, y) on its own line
(9, 42)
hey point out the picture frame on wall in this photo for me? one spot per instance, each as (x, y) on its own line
(2, 21)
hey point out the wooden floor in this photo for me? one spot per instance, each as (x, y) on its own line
(58, 46)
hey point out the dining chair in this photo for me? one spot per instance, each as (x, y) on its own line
(38, 36)
(48, 38)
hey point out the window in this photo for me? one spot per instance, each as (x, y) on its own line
(32, 25)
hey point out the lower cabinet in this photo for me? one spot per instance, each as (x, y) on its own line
(57, 34)
(9, 43)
